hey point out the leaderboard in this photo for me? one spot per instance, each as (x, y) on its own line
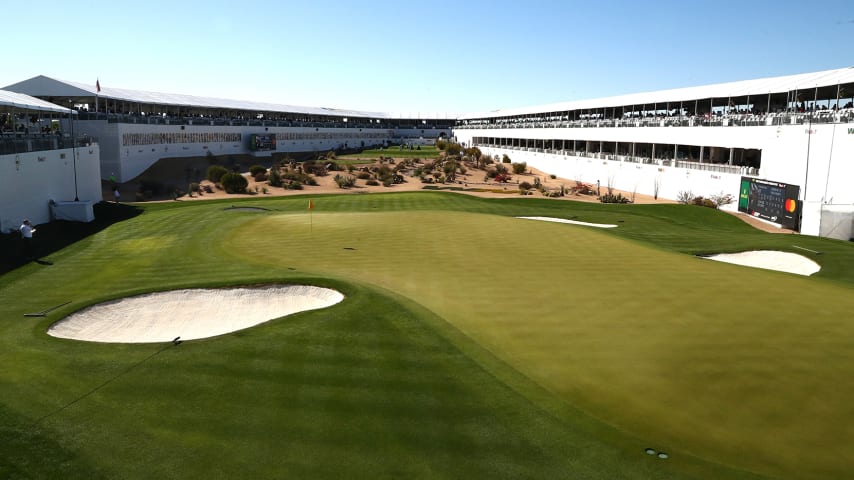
(772, 201)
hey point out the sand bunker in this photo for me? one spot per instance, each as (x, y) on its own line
(770, 260)
(563, 220)
(189, 314)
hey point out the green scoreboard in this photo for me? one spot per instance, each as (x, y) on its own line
(772, 201)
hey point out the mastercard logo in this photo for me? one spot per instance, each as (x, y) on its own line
(791, 205)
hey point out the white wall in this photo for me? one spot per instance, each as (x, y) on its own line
(829, 179)
(28, 181)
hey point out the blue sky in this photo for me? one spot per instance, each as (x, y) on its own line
(420, 57)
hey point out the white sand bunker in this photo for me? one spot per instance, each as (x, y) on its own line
(770, 260)
(189, 314)
(574, 222)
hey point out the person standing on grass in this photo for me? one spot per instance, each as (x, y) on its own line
(27, 231)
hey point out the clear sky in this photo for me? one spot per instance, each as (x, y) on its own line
(420, 57)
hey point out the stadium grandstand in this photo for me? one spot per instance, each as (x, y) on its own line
(764, 141)
(781, 146)
(46, 171)
(137, 128)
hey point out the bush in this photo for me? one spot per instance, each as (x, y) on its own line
(275, 178)
(685, 198)
(363, 176)
(234, 183)
(254, 170)
(553, 176)
(293, 186)
(519, 168)
(372, 183)
(215, 173)
(704, 202)
(194, 187)
(525, 186)
(344, 181)
(611, 198)
(260, 176)
(722, 199)
(505, 159)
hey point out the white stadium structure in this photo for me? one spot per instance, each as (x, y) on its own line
(762, 141)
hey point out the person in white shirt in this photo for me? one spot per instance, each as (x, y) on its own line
(27, 231)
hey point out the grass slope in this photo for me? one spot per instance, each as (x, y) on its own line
(395, 381)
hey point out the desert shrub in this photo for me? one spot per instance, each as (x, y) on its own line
(372, 183)
(345, 181)
(215, 173)
(500, 169)
(553, 176)
(194, 187)
(295, 176)
(519, 168)
(363, 175)
(722, 199)
(234, 183)
(264, 190)
(260, 176)
(684, 197)
(701, 201)
(441, 144)
(525, 186)
(291, 185)
(256, 169)
(313, 167)
(611, 198)
(275, 178)
(505, 159)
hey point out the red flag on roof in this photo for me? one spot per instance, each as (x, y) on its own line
(97, 85)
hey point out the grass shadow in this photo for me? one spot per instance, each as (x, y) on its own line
(54, 236)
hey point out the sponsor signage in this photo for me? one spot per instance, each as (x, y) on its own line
(772, 201)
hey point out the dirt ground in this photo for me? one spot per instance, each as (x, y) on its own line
(170, 171)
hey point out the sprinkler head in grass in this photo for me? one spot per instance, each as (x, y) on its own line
(650, 451)
(663, 455)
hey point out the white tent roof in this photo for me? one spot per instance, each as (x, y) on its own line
(47, 87)
(762, 86)
(26, 102)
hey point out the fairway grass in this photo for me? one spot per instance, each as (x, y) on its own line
(470, 344)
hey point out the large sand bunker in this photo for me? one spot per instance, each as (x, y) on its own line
(189, 314)
(770, 260)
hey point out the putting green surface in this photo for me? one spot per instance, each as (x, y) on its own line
(724, 362)
(470, 344)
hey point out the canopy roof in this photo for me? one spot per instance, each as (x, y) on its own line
(43, 86)
(762, 86)
(19, 101)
